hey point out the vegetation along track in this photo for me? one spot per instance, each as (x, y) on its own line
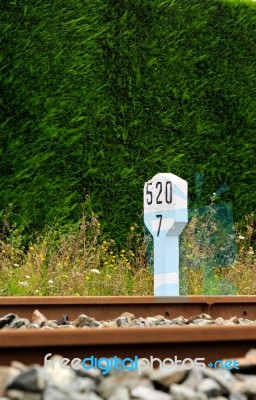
(209, 342)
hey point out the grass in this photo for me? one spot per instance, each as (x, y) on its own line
(203, 271)
(72, 260)
(78, 260)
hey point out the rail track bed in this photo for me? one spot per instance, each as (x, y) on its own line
(209, 342)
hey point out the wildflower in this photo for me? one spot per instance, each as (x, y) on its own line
(95, 271)
(27, 276)
(23, 283)
(31, 248)
(50, 281)
(132, 228)
(16, 265)
(213, 197)
(241, 237)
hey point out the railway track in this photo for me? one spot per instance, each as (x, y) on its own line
(209, 342)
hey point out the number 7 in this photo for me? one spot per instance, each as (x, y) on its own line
(160, 221)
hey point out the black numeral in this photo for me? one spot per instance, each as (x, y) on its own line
(168, 192)
(159, 184)
(160, 221)
(159, 198)
(150, 194)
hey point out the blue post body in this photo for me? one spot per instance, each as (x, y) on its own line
(165, 215)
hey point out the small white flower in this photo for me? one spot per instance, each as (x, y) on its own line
(241, 237)
(50, 281)
(23, 283)
(16, 265)
(27, 276)
(95, 271)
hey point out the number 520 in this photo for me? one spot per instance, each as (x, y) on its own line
(159, 196)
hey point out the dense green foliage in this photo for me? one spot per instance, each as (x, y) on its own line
(100, 95)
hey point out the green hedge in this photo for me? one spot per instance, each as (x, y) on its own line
(99, 96)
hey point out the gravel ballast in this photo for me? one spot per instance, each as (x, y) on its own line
(20, 382)
(13, 321)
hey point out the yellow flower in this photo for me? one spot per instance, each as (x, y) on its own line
(132, 228)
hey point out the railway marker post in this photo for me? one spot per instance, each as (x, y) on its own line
(165, 216)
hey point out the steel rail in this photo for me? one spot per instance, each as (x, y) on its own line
(111, 307)
(211, 343)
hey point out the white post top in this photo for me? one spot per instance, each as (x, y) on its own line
(165, 192)
(165, 205)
